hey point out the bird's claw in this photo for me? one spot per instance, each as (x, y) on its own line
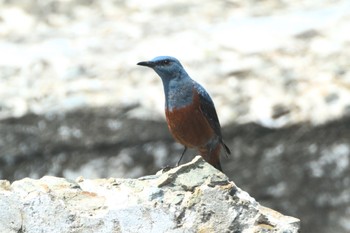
(167, 168)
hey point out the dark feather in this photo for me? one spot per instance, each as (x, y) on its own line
(208, 109)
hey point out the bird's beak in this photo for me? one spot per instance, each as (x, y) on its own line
(147, 63)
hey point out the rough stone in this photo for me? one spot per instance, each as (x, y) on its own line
(60, 55)
(255, 55)
(193, 197)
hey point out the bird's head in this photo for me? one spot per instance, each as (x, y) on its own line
(166, 67)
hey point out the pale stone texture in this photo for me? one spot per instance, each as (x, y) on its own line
(273, 62)
(194, 197)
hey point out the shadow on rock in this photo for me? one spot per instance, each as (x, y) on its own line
(299, 170)
(90, 142)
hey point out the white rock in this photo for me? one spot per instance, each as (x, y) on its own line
(194, 197)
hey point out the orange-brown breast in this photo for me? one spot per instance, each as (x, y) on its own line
(188, 125)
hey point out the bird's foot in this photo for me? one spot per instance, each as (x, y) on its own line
(167, 168)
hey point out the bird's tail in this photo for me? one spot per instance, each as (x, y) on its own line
(212, 156)
(227, 150)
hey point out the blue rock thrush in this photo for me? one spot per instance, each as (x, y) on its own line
(189, 110)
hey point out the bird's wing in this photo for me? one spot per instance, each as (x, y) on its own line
(208, 109)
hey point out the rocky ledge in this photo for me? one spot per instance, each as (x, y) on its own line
(193, 197)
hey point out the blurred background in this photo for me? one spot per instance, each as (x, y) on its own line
(73, 102)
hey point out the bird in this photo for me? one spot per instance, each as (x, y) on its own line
(190, 112)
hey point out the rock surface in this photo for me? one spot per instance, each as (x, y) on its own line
(73, 102)
(299, 170)
(194, 197)
(273, 62)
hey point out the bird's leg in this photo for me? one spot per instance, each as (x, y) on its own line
(167, 168)
(182, 155)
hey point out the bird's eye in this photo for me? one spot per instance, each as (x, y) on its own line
(166, 62)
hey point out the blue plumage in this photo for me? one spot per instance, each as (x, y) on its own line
(190, 111)
(176, 82)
